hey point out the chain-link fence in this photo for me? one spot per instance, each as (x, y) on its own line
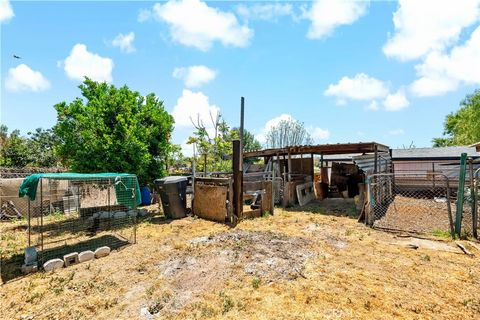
(424, 203)
(71, 214)
(411, 202)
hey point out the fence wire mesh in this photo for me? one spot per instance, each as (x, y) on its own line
(70, 216)
(423, 203)
(411, 202)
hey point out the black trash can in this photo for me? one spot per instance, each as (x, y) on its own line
(173, 191)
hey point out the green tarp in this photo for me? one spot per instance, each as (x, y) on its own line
(127, 189)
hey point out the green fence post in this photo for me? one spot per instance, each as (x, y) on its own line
(460, 194)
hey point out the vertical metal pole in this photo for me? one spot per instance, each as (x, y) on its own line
(134, 184)
(242, 114)
(433, 176)
(375, 166)
(237, 182)
(449, 208)
(475, 207)
(473, 198)
(41, 218)
(205, 164)
(29, 224)
(460, 194)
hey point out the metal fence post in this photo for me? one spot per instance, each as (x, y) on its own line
(460, 194)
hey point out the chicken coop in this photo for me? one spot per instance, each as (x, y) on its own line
(73, 212)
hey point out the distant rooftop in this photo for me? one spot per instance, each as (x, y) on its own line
(441, 153)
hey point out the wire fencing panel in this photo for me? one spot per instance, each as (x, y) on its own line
(72, 216)
(411, 202)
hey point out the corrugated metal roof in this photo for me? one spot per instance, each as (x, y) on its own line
(431, 153)
(367, 163)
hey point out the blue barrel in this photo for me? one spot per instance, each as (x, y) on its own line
(146, 196)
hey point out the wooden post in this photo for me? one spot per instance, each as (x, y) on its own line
(313, 167)
(289, 168)
(237, 182)
(460, 194)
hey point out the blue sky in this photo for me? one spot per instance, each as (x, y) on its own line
(350, 70)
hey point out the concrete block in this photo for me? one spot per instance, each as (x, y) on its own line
(53, 264)
(30, 255)
(86, 256)
(132, 213)
(120, 215)
(70, 259)
(31, 268)
(102, 252)
(104, 215)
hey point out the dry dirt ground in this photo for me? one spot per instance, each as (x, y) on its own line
(293, 265)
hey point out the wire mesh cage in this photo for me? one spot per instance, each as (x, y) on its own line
(74, 213)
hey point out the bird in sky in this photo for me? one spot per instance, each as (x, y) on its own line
(16, 57)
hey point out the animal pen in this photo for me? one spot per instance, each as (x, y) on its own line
(439, 203)
(71, 212)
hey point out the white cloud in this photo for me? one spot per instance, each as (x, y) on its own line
(124, 42)
(82, 63)
(193, 23)
(261, 136)
(316, 133)
(270, 11)
(6, 11)
(193, 106)
(360, 87)
(23, 78)
(195, 76)
(326, 15)
(429, 25)
(144, 15)
(443, 72)
(396, 101)
(365, 88)
(396, 132)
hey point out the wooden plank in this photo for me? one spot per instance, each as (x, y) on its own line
(267, 197)
(254, 213)
(210, 202)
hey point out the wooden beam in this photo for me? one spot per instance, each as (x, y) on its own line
(237, 182)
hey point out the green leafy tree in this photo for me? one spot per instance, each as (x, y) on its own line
(15, 151)
(114, 129)
(288, 133)
(35, 150)
(249, 141)
(41, 144)
(213, 144)
(463, 126)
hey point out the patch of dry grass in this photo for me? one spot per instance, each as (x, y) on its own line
(352, 272)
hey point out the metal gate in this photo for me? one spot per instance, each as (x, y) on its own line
(411, 202)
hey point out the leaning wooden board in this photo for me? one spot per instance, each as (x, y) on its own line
(210, 202)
